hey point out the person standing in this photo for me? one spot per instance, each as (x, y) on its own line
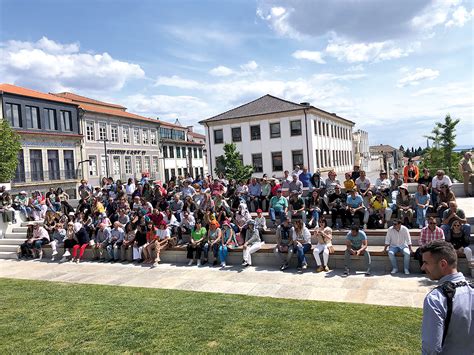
(465, 167)
(448, 322)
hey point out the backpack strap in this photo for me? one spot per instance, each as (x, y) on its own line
(448, 289)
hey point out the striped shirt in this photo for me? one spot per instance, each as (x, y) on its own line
(427, 235)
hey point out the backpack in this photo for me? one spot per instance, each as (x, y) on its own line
(448, 289)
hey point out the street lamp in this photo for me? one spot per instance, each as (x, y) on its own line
(105, 140)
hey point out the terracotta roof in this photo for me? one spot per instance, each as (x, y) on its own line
(56, 134)
(382, 148)
(262, 106)
(197, 135)
(87, 100)
(18, 90)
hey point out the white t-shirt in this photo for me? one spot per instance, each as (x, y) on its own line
(304, 238)
(436, 183)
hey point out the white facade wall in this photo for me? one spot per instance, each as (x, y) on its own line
(176, 166)
(307, 142)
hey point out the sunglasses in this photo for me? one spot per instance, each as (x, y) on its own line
(431, 223)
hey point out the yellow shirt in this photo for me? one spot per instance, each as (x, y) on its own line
(349, 184)
(377, 205)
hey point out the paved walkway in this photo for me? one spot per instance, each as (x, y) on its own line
(386, 290)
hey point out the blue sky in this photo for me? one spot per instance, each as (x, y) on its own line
(393, 67)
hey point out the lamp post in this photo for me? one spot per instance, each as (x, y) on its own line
(105, 140)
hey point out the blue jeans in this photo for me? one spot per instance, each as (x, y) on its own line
(406, 257)
(223, 252)
(273, 214)
(315, 216)
(421, 216)
(300, 251)
(215, 250)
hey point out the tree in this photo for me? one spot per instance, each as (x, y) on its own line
(230, 164)
(441, 154)
(9, 147)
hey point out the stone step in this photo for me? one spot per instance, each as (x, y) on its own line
(8, 255)
(8, 247)
(20, 230)
(12, 235)
(29, 223)
(11, 241)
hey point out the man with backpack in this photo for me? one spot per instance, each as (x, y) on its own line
(448, 310)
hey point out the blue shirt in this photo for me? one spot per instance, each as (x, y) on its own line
(354, 202)
(356, 241)
(460, 336)
(305, 179)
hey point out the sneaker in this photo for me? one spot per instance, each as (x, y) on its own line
(407, 272)
(299, 268)
(245, 264)
(326, 269)
(199, 263)
(55, 253)
(304, 267)
(63, 259)
(78, 261)
(284, 266)
(394, 271)
(346, 272)
(367, 273)
(67, 253)
(190, 262)
(365, 226)
(319, 269)
(204, 262)
(223, 265)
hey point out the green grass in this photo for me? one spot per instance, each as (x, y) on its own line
(39, 316)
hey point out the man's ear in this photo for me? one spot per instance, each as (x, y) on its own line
(443, 263)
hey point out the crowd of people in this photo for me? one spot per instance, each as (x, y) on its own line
(139, 219)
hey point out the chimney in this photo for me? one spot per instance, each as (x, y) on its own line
(305, 104)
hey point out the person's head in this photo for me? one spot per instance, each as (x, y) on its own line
(213, 224)
(453, 206)
(197, 224)
(403, 189)
(440, 174)
(352, 192)
(128, 227)
(305, 169)
(347, 176)
(410, 161)
(294, 176)
(294, 194)
(396, 175)
(337, 188)
(426, 172)
(332, 174)
(298, 224)
(176, 197)
(286, 173)
(439, 259)
(432, 223)
(468, 155)
(315, 194)
(251, 224)
(285, 221)
(354, 230)
(422, 189)
(379, 196)
(259, 212)
(356, 167)
(279, 192)
(162, 225)
(456, 226)
(362, 173)
(397, 224)
(322, 222)
(383, 174)
(117, 225)
(36, 226)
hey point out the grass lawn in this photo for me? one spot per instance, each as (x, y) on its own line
(40, 316)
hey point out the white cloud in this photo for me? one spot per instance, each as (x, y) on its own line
(420, 74)
(51, 66)
(176, 81)
(434, 14)
(249, 66)
(459, 17)
(221, 71)
(366, 52)
(313, 56)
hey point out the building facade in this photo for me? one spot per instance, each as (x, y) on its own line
(274, 135)
(360, 140)
(50, 139)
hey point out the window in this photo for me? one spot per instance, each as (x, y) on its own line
(275, 130)
(69, 168)
(317, 157)
(20, 168)
(277, 161)
(219, 165)
(167, 175)
(116, 165)
(200, 153)
(102, 131)
(36, 165)
(145, 136)
(180, 172)
(92, 165)
(196, 172)
(66, 120)
(138, 165)
(128, 165)
(202, 171)
(236, 134)
(146, 164)
(319, 128)
(126, 135)
(153, 140)
(136, 136)
(13, 115)
(255, 133)
(218, 136)
(295, 128)
(165, 151)
(53, 164)
(297, 157)
(178, 152)
(103, 166)
(190, 153)
(171, 152)
(90, 131)
(114, 134)
(156, 165)
(184, 152)
(257, 163)
(32, 117)
(169, 133)
(173, 172)
(195, 153)
(50, 119)
(325, 158)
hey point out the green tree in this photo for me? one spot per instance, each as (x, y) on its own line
(230, 164)
(9, 147)
(441, 154)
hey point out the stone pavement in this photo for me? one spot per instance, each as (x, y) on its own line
(399, 290)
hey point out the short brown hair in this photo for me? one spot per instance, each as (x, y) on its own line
(441, 249)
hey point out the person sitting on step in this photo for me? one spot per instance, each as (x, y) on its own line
(324, 236)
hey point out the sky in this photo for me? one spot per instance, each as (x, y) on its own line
(393, 67)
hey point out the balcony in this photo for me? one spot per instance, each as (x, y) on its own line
(46, 176)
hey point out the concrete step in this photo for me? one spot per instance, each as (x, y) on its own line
(11, 241)
(12, 235)
(8, 247)
(8, 255)
(29, 223)
(20, 230)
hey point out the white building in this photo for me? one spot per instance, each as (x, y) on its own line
(274, 135)
(361, 149)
